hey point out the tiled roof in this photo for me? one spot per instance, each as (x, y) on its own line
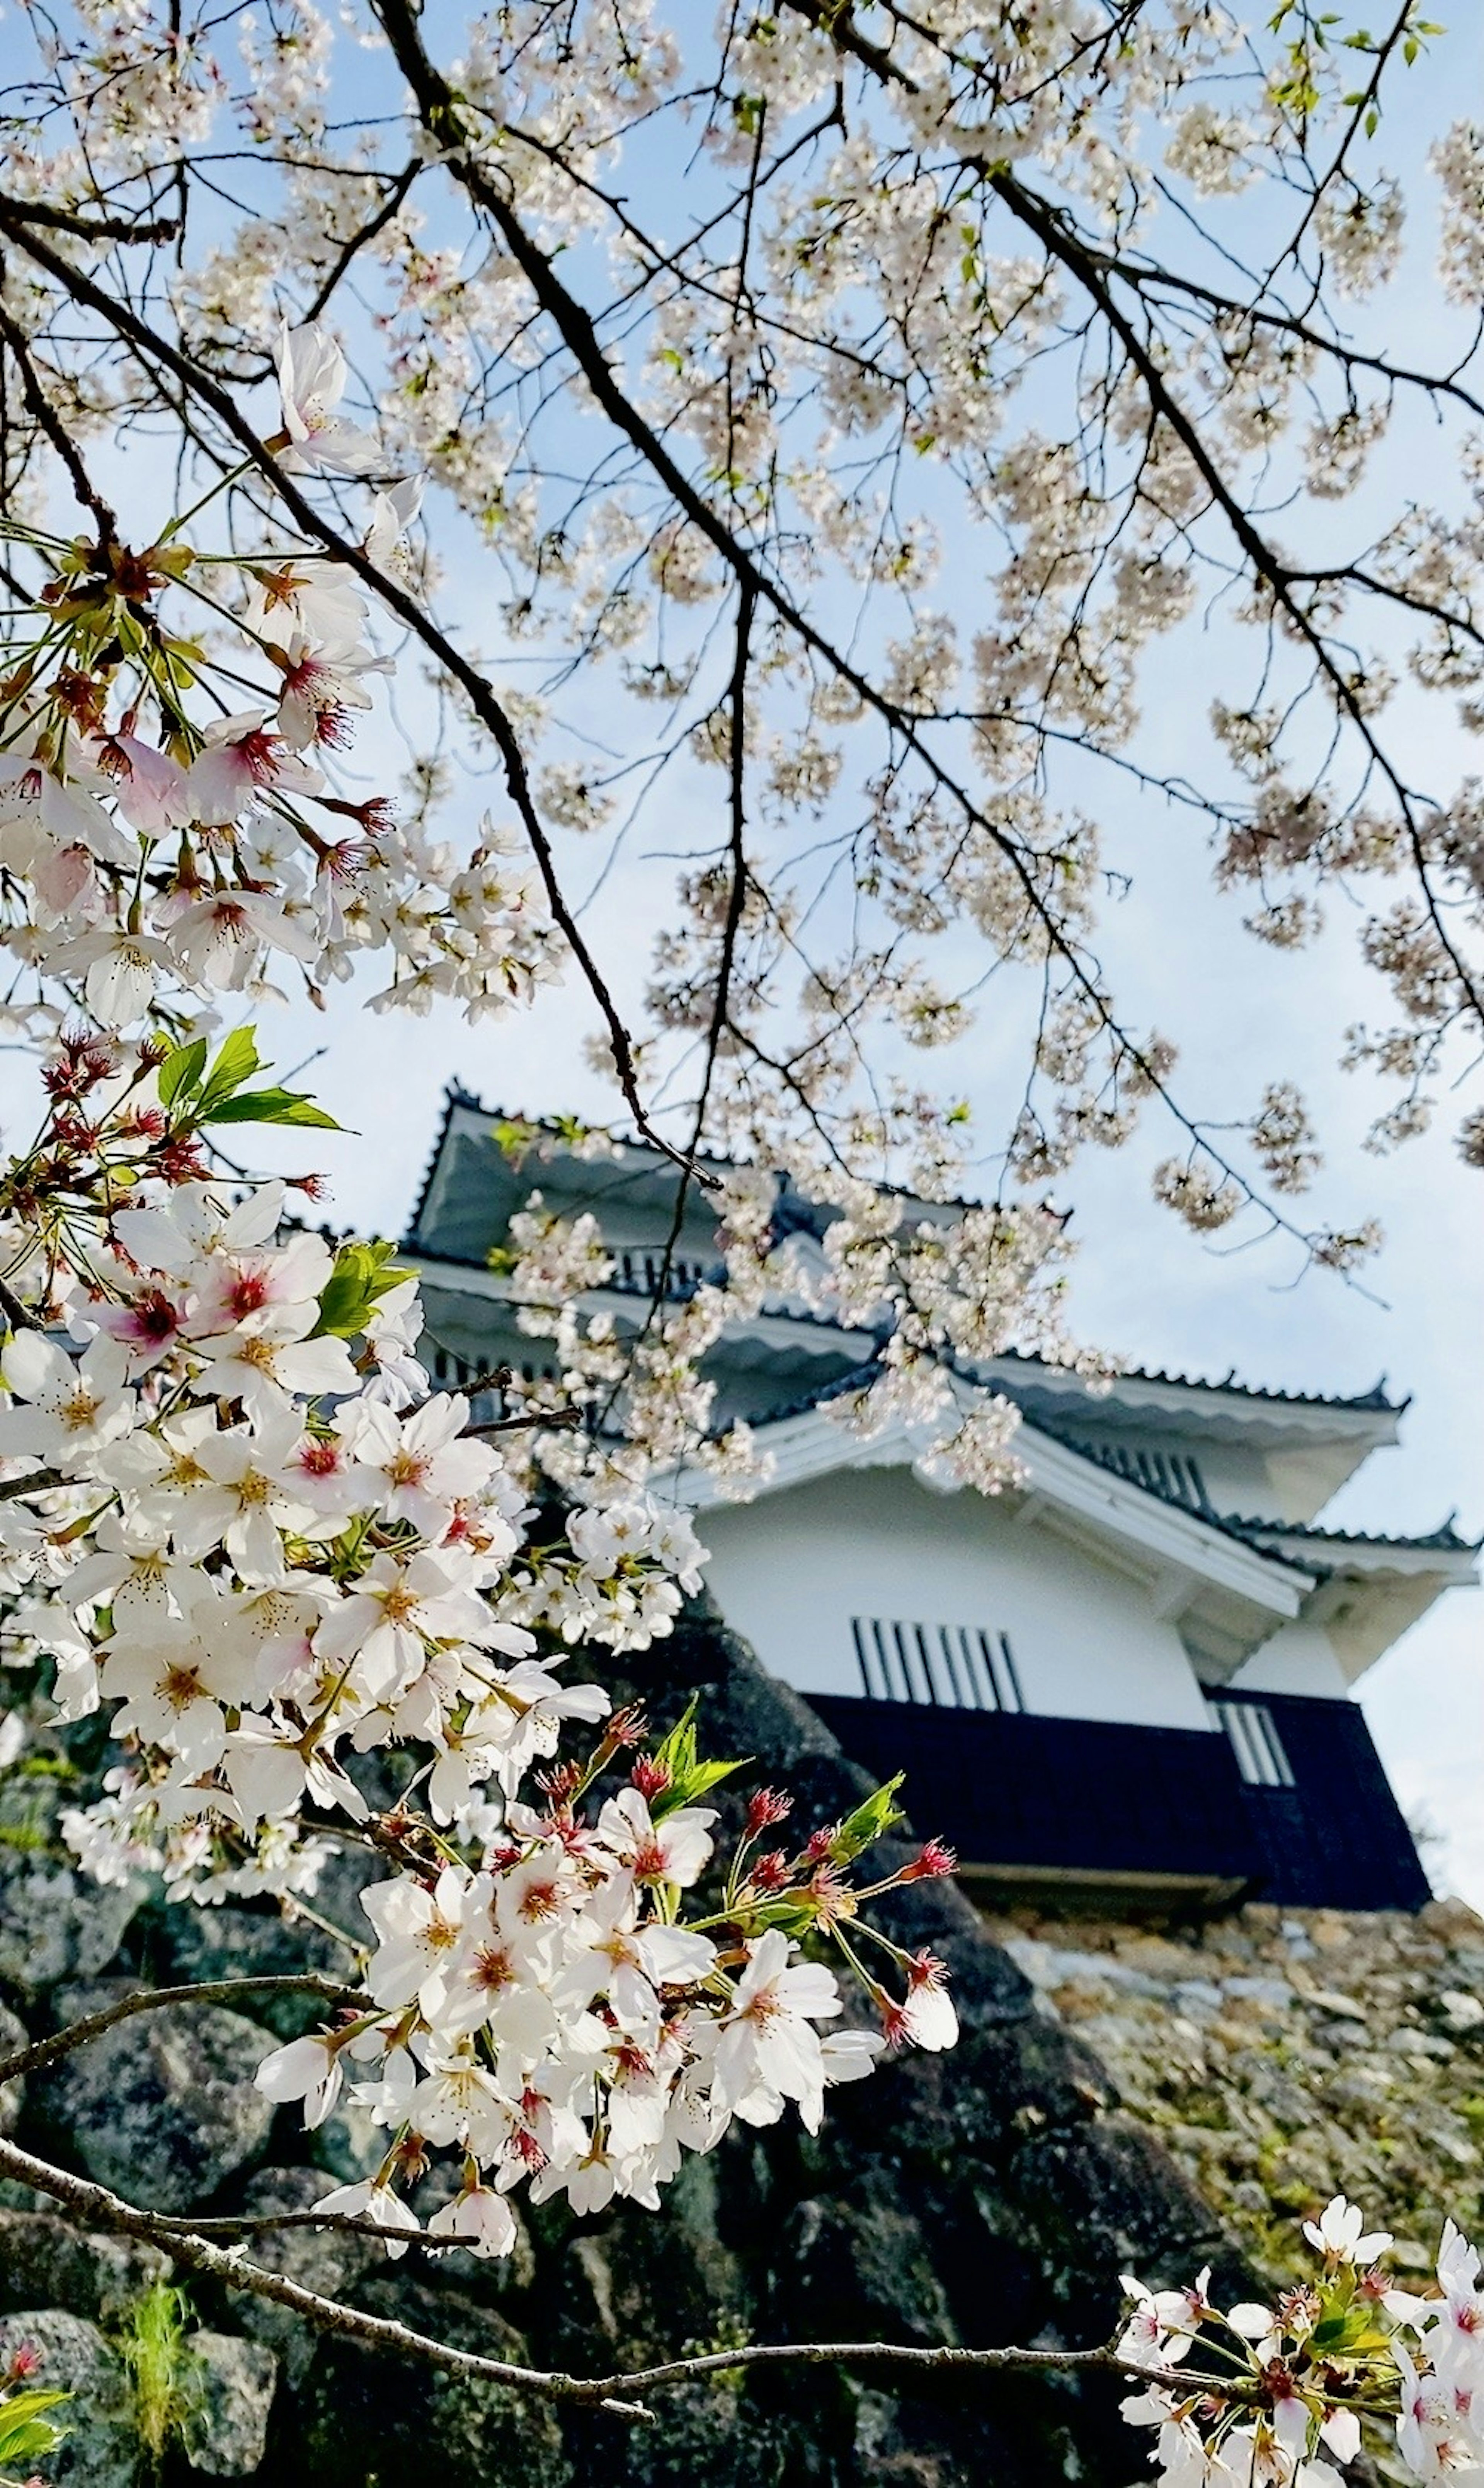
(1249, 1531)
(1252, 1530)
(1372, 1401)
(1446, 1539)
(453, 1097)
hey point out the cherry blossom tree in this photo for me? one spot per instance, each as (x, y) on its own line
(742, 360)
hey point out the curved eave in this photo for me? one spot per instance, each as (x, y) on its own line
(1451, 1562)
(1226, 1597)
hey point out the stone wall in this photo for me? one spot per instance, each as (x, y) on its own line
(990, 2195)
(1284, 2056)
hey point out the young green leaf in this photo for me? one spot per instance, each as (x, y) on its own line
(270, 1106)
(181, 1071)
(236, 1060)
(870, 1822)
(362, 1273)
(689, 1778)
(24, 2431)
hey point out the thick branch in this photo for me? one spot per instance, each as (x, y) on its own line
(95, 227)
(103, 2210)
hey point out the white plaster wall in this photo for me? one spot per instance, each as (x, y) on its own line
(791, 1570)
(1300, 1658)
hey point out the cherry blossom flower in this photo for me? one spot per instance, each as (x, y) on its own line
(267, 1373)
(308, 2068)
(395, 1608)
(120, 970)
(369, 2200)
(674, 1850)
(422, 1465)
(72, 1410)
(242, 762)
(177, 1677)
(1337, 2233)
(769, 2048)
(312, 380)
(479, 2218)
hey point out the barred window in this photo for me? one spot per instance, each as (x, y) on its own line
(641, 1269)
(1255, 1742)
(960, 1666)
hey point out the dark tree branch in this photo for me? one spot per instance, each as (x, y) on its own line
(49, 422)
(94, 227)
(42, 2052)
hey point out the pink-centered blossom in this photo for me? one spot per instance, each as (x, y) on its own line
(312, 380)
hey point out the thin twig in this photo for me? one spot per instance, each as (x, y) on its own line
(48, 421)
(42, 2052)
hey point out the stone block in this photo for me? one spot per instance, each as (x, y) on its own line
(101, 2448)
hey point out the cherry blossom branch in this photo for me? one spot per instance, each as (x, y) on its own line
(42, 2052)
(364, 234)
(199, 384)
(1091, 268)
(440, 114)
(1058, 237)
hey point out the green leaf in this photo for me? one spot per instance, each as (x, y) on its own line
(236, 1060)
(789, 1916)
(869, 1822)
(689, 1777)
(514, 1138)
(270, 1106)
(25, 2432)
(362, 1273)
(181, 1071)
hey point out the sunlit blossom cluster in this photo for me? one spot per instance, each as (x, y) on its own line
(1261, 2395)
(238, 1519)
(154, 846)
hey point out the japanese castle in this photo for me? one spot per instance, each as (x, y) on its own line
(1130, 1679)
